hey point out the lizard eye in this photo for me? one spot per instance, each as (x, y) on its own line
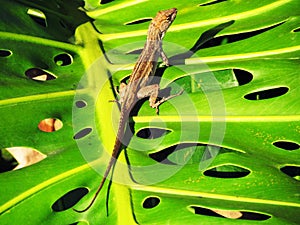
(169, 18)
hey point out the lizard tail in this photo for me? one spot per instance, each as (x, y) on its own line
(111, 163)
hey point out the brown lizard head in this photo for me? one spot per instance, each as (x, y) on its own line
(163, 20)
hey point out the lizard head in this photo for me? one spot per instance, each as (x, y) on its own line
(164, 19)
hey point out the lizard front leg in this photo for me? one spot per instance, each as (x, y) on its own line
(152, 91)
(164, 99)
(164, 57)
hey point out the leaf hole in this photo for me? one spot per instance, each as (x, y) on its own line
(102, 2)
(7, 161)
(212, 2)
(227, 78)
(207, 212)
(82, 133)
(292, 171)
(139, 21)
(37, 16)
(39, 74)
(296, 30)
(80, 104)
(151, 202)
(169, 156)
(211, 41)
(286, 145)
(5, 53)
(188, 153)
(152, 133)
(243, 77)
(254, 216)
(267, 94)
(50, 125)
(14, 158)
(68, 200)
(227, 171)
(230, 214)
(63, 59)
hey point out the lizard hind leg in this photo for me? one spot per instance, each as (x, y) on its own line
(120, 93)
(150, 91)
(164, 99)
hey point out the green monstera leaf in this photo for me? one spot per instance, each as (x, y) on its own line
(224, 152)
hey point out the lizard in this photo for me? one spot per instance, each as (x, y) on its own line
(139, 85)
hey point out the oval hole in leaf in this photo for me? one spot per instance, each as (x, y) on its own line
(124, 81)
(162, 156)
(39, 74)
(188, 153)
(5, 53)
(254, 216)
(25, 156)
(209, 39)
(227, 171)
(225, 79)
(292, 171)
(230, 214)
(82, 133)
(212, 2)
(63, 59)
(102, 2)
(152, 133)
(211, 212)
(7, 161)
(69, 199)
(243, 77)
(38, 16)
(175, 155)
(80, 104)
(151, 202)
(296, 30)
(228, 78)
(286, 145)
(144, 20)
(266, 94)
(50, 125)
